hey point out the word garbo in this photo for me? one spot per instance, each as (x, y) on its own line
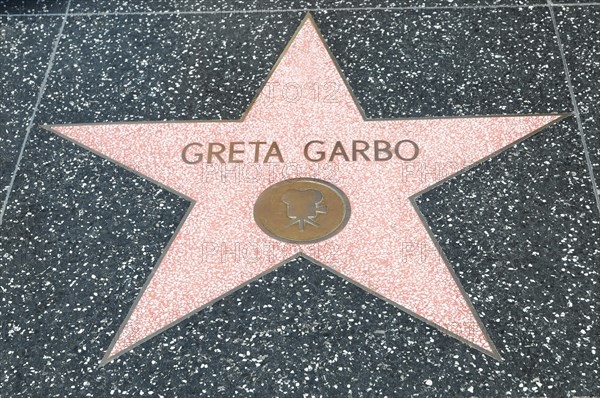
(314, 151)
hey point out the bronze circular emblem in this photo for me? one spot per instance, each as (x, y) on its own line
(302, 210)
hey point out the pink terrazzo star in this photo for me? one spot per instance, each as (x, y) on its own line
(385, 247)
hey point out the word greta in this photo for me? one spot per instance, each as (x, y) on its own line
(314, 151)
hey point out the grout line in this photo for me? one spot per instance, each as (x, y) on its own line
(35, 109)
(315, 9)
(574, 4)
(575, 106)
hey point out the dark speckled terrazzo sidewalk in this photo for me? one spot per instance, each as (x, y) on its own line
(79, 235)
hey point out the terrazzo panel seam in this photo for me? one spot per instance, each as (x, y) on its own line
(309, 9)
(39, 97)
(576, 112)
